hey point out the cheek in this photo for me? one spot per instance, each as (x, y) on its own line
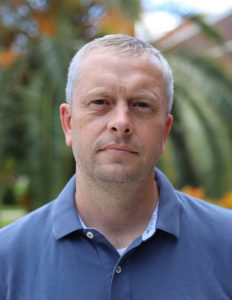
(83, 135)
(152, 138)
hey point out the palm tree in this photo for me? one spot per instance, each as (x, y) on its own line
(200, 147)
(32, 86)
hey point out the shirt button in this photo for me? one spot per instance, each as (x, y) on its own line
(118, 269)
(89, 235)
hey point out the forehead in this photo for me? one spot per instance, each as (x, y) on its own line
(97, 59)
(117, 73)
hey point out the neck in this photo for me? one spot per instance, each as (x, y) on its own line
(120, 212)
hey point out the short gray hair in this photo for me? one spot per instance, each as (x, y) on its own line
(124, 44)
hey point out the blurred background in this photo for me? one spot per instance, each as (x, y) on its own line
(38, 39)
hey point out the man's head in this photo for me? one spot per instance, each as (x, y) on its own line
(117, 117)
(118, 43)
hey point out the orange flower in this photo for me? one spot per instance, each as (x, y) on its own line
(115, 22)
(197, 192)
(7, 58)
(226, 200)
(46, 23)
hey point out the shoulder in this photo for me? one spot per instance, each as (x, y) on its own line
(196, 205)
(26, 230)
(205, 216)
(207, 228)
(22, 244)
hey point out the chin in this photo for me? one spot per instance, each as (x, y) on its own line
(119, 175)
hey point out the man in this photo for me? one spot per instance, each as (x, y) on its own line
(118, 230)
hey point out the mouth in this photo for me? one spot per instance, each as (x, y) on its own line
(118, 148)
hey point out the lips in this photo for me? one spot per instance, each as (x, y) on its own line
(118, 147)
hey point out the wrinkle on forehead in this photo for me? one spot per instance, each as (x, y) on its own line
(141, 57)
(109, 68)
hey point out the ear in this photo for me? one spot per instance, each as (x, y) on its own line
(167, 129)
(65, 118)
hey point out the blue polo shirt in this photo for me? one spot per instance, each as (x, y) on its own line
(48, 255)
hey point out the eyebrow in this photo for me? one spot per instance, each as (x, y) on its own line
(140, 94)
(146, 95)
(97, 90)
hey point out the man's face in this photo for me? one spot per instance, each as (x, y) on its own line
(118, 123)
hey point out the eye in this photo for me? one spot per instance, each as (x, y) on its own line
(100, 102)
(100, 105)
(142, 105)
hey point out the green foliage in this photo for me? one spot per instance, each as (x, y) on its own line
(32, 142)
(200, 142)
(129, 8)
(31, 138)
(31, 134)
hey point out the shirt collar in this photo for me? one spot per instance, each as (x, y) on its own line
(65, 216)
(66, 219)
(148, 232)
(151, 227)
(169, 206)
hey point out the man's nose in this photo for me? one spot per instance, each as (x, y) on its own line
(120, 120)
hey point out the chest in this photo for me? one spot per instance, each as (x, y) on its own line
(86, 269)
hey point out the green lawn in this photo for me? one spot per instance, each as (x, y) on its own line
(9, 214)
